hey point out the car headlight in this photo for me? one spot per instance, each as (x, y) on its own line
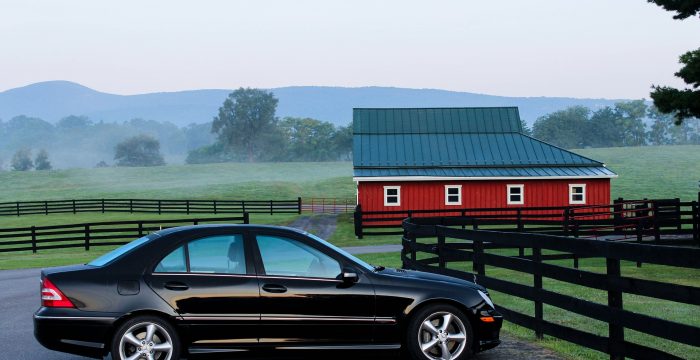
(486, 298)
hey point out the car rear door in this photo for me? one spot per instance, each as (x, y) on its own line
(210, 281)
(303, 301)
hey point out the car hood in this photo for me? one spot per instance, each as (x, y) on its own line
(426, 276)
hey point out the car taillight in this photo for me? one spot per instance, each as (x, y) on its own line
(51, 296)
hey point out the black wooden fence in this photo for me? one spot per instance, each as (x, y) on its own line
(452, 245)
(151, 206)
(631, 218)
(87, 235)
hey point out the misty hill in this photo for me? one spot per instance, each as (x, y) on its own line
(53, 100)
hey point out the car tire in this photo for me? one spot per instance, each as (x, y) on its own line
(132, 337)
(437, 329)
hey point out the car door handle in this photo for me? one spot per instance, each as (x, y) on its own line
(274, 288)
(176, 286)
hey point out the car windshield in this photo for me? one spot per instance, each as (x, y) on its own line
(342, 252)
(118, 252)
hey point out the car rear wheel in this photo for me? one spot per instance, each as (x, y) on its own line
(146, 338)
(439, 332)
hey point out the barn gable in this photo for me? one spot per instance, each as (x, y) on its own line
(458, 143)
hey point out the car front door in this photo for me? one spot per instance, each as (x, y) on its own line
(210, 281)
(304, 301)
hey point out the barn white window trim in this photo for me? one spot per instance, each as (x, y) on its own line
(392, 196)
(516, 194)
(577, 194)
(453, 194)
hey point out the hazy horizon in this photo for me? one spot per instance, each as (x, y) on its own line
(553, 48)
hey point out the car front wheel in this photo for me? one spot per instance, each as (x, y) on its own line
(146, 338)
(439, 332)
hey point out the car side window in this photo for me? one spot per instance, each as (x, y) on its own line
(217, 254)
(173, 263)
(287, 257)
(223, 254)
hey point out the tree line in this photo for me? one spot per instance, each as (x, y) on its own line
(632, 123)
(248, 129)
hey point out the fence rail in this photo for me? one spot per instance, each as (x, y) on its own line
(328, 205)
(151, 206)
(87, 235)
(454, 245)
(635, 219)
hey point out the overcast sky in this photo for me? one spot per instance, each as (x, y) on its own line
(578, 48)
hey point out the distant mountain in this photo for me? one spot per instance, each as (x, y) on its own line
(53, 100)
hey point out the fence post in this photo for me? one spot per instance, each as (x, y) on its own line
(696, 221)
(18, 208)
(679, 224)
(214, 206)
(618, 206)
(33, 240)
(140, 228)
(477, 263)
(187, 204)
(270, 207)
(565, 220)
(657, 226)
(103, 206)
(640, 236)
(246, 218)
(131, 206)
(616, 333)
(440, 248)
(74, 210)
(46, 207)
(87, 237)
(159, 209)
(537, 279)
(357, 221)
(299, 205)
(243, 203)
(195, 222)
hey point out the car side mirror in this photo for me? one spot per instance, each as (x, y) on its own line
(349, 276)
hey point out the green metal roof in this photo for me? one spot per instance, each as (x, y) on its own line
(445, 141)
(436, 121)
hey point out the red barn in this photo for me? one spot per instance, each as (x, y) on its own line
(452, 158)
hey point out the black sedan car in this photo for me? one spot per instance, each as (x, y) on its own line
(239, 288)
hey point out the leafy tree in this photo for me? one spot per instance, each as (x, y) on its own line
(659, 132)
(215, 153)
(308, 139)
(22, 160)
(41, 162)
(565, 128)
(342, 141)
(101, 164)
(245, 121)
(631, 116)
(683, 8)
(526, 128)
(74, 122)
(140, 150)
(684, 103)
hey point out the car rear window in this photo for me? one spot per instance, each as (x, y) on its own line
(118, 252)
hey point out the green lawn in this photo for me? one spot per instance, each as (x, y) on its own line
(681, 313)
(654, 172)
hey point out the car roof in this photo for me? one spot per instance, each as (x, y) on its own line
(178, 229)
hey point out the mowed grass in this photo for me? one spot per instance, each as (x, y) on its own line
(682, 313)
(654, 172)
(235, 181)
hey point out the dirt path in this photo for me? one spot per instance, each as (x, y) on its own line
(322, 226)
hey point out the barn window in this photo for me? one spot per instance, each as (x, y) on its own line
(392, 196)
(453, 194)
(577, 194)
(516, 194)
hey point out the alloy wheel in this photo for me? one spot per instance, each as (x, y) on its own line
(146, 341)
(441, 336)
